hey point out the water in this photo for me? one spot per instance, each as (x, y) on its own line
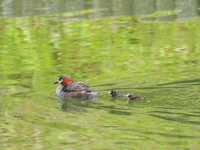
(151, 52)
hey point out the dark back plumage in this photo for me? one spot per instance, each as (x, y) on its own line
(75, 89)
(131, 97)
(114, 94)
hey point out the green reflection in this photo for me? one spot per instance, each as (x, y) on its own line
(156, 60)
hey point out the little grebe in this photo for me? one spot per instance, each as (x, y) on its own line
(114, 94)
(72, 89)
(131, 97)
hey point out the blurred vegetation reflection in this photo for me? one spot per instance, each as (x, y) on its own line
(152, 55)
(97, 50)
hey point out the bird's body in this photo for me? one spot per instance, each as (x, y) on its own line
(131, 97)
(74, 89)
(114, 94)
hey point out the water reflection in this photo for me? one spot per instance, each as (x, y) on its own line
(161, 10)
(74, 104)
(177, 119)
(171, 135)
(156, 60)
(183, 82)
(162, 118)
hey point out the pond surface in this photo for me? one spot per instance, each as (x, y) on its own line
(148, 48)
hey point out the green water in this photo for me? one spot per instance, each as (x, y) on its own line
(156, 60)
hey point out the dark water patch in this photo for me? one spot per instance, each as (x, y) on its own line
(171, 135)
(176, 119)
(117, 112)
(131, 87)
(166, 112)
(107, 84)
(182, 114)
(154, 87)
(188, 81)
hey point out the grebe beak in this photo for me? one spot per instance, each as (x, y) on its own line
(56, 82)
